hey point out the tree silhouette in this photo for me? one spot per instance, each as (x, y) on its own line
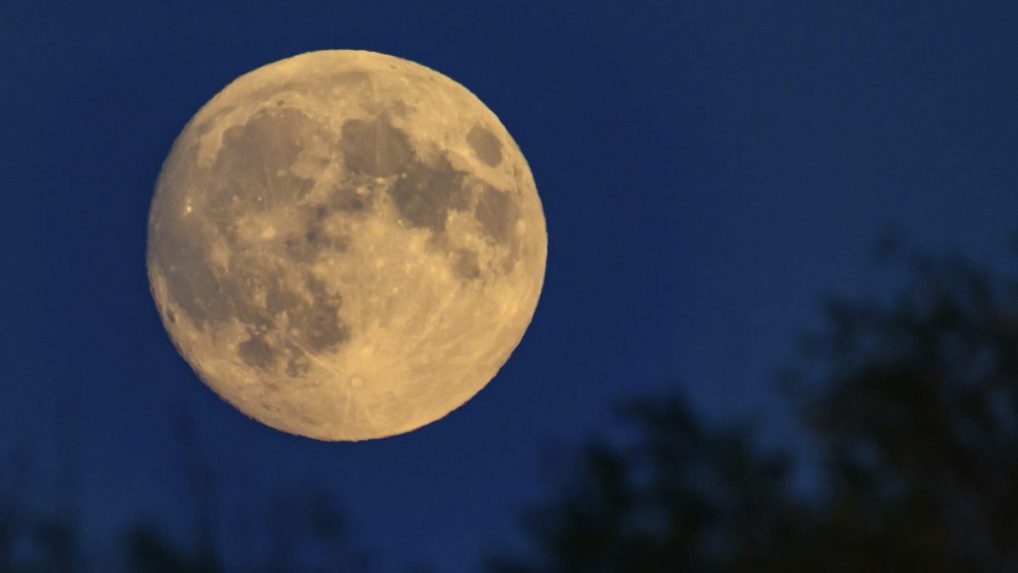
(674, 497)
(148, 551)
(297, 529)
(913, 406)
(302, 531)
(31, 540)
(918, 420)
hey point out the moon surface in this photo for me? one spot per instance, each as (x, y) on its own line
(346, 245)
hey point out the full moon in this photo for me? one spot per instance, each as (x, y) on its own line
(346, 245)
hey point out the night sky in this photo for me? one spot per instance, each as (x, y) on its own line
(709, 171)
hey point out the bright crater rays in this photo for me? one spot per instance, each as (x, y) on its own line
(346, 245)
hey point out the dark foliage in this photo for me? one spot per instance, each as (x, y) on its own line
(912, 404)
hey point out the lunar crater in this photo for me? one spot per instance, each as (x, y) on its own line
(485, 145)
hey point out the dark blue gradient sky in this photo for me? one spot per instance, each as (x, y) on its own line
(708, 171)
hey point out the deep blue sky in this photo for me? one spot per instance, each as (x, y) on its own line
(708, 170)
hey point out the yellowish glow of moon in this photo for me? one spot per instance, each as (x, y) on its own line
(346, 245)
